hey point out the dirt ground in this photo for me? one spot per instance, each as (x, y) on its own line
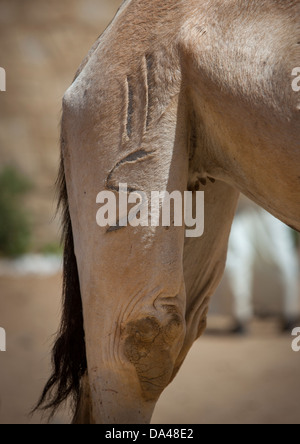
(225, 379)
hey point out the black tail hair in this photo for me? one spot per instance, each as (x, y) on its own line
(69, 353)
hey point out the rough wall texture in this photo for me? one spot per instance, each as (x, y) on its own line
(42, 45)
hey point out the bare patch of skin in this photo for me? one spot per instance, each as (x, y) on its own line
(148, 347)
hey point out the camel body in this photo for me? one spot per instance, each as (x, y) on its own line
(174, 96)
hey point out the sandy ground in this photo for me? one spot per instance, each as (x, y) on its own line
(224, 379)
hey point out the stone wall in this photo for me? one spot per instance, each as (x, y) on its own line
(42, 45)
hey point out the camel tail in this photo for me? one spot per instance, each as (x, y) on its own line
(69, 353)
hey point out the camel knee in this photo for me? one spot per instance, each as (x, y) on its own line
(151, 345)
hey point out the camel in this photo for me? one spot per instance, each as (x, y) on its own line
(181, 96)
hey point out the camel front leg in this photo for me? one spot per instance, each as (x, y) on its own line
(134, 327)
(131, 277)
(133, 298)
(204, 260)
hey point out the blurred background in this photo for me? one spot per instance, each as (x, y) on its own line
(243, 370)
